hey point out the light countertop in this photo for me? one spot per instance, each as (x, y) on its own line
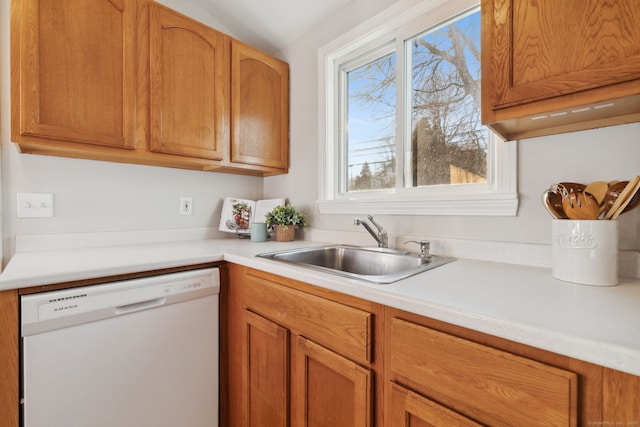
(518, 303)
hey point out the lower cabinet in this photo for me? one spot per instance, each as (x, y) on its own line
(302, 359)
(490, 386)
(300, 355)
(329, 390)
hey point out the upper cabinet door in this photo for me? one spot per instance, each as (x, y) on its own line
(189, 86)
(543, 57)
(260, 108)
(551, 48)
(76, 77)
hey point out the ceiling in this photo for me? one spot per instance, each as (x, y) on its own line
(270, 25)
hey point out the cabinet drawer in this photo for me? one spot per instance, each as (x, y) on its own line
(344, 329)
(488, 385)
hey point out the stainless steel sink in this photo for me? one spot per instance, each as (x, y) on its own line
(371, 264)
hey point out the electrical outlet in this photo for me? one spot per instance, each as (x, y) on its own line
(186, 205)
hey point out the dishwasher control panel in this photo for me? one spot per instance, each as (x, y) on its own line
(119, 297)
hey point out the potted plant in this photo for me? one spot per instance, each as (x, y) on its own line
(284, 220)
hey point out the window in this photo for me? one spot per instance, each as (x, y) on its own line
(401, 113)
(370, 138)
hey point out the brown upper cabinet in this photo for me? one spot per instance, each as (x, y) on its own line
(188, 97)
(136, 82)
(260, 108)
(73, 73)
(550, 67)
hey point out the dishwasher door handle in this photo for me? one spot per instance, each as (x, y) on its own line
(142, 305)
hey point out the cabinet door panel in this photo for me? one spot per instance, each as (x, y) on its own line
(489, 385)
(189, 81)
(409, 409)
(267, 373)
(330, 390)
(77, 70)
(260, 108)
(546, 49)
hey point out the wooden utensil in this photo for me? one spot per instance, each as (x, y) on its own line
(580, 205)
(597, 189)
(623, 199)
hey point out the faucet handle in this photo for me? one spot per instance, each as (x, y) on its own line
(425, 245)
(378, 226)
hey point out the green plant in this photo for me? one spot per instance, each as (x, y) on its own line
(285, 216)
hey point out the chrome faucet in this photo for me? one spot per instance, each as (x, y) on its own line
(381, 236)
(424, 248)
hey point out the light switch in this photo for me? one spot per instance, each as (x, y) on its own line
(35, 205)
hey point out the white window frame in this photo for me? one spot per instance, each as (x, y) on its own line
(498, 197)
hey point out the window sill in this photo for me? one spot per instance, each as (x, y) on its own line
(503, 204)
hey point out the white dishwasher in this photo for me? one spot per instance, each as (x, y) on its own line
(133, 353)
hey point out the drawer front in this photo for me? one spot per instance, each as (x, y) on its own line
(344, 329)
(488, 385)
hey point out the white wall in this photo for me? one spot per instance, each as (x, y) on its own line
(94, 196)
(99, 196)
(603, 154)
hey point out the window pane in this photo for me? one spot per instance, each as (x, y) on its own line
(371, 125)
(448, 143)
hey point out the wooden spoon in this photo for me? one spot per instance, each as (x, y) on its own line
(597, 189)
